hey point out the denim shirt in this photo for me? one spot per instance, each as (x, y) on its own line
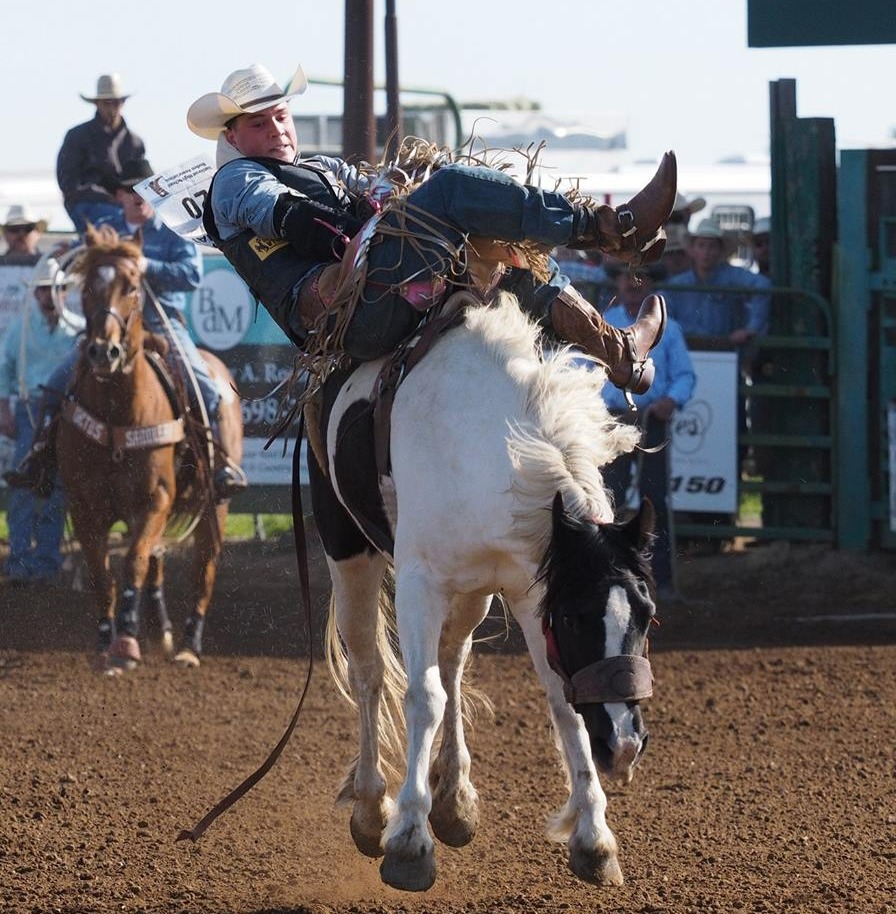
(675, 375)
(44, 349)
(716, 313)
(244, 194)
(173, 264)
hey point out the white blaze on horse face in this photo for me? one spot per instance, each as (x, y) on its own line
(105, 274)
(625, 741)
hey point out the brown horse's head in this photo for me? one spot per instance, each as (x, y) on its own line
(112, 271)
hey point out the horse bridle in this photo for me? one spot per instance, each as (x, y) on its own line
(126, 355)
(625, 677)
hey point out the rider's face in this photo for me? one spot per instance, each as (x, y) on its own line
(270, 132)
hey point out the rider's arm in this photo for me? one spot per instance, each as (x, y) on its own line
(70, 161)
(243, 197)
(173, 264)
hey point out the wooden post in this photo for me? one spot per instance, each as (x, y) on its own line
(394, 128)
(358, 127)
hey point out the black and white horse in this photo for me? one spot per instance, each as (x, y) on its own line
(495, 488)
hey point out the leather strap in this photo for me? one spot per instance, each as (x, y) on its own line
(122, 437)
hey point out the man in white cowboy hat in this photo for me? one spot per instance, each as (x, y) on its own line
(40, 337)
(92, 154)
(711, 311)
(22, 231)
(676, 257)
(283, 223)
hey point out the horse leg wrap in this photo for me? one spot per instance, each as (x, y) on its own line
(105, 635)
(156, 598)
(193, 633)
(128, 618)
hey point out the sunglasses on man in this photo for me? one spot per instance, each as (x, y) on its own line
(20, 229)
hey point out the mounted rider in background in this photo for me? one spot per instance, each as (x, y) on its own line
(173, 271)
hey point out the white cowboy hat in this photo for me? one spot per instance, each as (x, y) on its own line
(683, 205)
(22, 215)
(49, 273)
(244, 92)
(108, 88)
(708, 228)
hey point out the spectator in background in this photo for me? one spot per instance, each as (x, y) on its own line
(39, 339)
(761, 243)
(21, 232)
(676, 258)
(672, 387)
(712, 312)
(92, 154)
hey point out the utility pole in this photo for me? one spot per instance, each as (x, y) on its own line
(394, 128)
(358, 126)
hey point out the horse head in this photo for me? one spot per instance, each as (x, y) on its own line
(596, 610)
(112, 270)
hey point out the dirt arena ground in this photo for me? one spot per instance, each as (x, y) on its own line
(769, 785)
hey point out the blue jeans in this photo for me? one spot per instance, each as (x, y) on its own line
(654, 484)
(462, 200)
(64, 374)
(208, 389)
(35, 524)
(95, 212)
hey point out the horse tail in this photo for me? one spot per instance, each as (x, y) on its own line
(391, 726)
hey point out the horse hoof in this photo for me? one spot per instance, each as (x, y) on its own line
(367, 839)
(595, 867)
(124, 654)
(168, 645)
(186, 659)
(409, 875)
(454, 816)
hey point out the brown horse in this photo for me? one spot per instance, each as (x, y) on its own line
(124, 451)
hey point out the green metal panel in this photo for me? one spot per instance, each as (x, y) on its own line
(803, 229)
(805, 23)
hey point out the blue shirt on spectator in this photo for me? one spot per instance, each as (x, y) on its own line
(23, 369)
(715, 313)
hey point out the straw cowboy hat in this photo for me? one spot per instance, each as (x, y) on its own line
(244, 92)
(22, 215)
(108, 88)
(49, 273)
(683, 208)
(708, 228)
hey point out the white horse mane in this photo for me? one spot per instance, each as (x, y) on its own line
(566, 434)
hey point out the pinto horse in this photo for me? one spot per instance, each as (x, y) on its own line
(121, 453)
(493, 487)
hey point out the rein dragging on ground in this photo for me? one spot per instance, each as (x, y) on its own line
(301, 544)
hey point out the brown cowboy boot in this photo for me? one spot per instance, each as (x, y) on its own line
(37, 469)
(230, 478)
(624, 352)
(632, 233)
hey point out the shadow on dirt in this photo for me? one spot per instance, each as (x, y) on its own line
(773, 595)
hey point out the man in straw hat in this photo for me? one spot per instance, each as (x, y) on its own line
(92, 154)
(39, 338)
(279, 221)
(22, 231)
